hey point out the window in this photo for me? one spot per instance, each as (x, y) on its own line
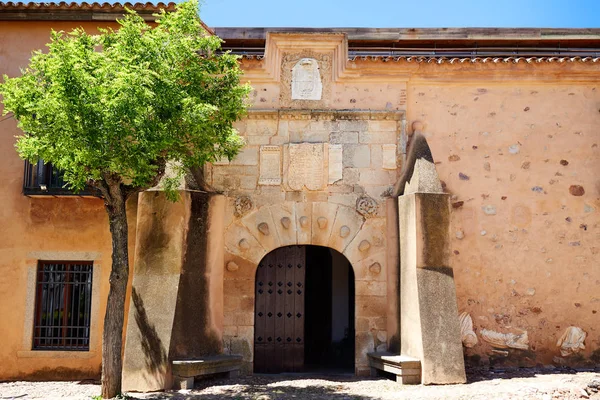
(43, 179)
(63, 300)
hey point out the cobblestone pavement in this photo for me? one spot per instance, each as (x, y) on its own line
(485, 385)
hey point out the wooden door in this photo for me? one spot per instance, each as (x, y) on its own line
(279, 311)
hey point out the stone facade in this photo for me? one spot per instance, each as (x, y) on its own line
(324, 185)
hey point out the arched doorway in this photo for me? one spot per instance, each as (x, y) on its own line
(304, 311)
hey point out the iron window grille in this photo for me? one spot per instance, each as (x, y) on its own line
(63, 306)
(44, 179)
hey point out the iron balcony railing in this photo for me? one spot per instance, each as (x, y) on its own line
(43, 179)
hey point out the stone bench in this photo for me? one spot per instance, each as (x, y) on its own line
(184, 371)
(406, 369)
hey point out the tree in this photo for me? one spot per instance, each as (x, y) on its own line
(110, 110)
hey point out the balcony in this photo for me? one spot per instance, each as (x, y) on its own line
(43, 179)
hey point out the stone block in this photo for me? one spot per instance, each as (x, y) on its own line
(371, 288)
(377, 137)
(389, 156)
(247, 156)
(376, 156)
(323, 218)
(223, 181)
(372, 268)
(238, 318)
(429, 324)
(309, 136)
(240, 126)
(368, 241)
(378, 192)
(345, 199)
(240, 242)
(370, 306)
(383, 125)
(304, 222)
(261, 225)
(343, 137)
(376, 177)
(284, 220)
(315, 197)
(261, 127)
(345, 227)
(350, 176)
(248, 182)
(239, 268)
(294, 196)
(353, 125)
(258, 140)
(243, 347)
(357, 156)
(335, 163)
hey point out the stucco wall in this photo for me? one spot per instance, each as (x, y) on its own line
(525, 244)
(50, 228)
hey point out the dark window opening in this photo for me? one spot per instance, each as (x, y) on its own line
(63, 301)
(44, 179)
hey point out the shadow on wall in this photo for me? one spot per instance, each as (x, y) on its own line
(193, 334)
(156, 358)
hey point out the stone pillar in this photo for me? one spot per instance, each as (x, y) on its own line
(176, 307)
(429, 328)
(393, 277)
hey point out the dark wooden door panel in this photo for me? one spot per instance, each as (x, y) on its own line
(279, 311)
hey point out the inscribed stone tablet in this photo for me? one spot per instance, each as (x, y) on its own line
(305, 166)
(335, 163)
(270, 165)
(306, 80)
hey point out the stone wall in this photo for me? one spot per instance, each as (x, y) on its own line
(352, 157)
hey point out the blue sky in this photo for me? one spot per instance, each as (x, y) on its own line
(402, 13)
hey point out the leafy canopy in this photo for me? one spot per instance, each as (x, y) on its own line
(126, 101)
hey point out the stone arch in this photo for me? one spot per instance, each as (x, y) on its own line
(360, 238)
(339, 227)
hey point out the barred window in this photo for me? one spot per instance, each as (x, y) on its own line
(63, 306)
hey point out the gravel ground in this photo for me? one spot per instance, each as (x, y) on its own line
(521, 384)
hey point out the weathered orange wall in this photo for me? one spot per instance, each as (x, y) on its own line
(533, 265)
(534, 269)
(41, 224)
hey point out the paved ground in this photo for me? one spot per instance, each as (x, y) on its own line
(522, 384)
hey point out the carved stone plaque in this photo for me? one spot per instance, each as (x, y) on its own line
(270, 165)
(306, 166)
(335, 163)
(306, 80)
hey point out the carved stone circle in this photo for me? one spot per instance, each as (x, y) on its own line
(243, 244)
(304, 221)
(364, 245)
(263, 228)
(375, 268)
(322, 221)
(242, 205)
(366, 206)
(344, 231)
(232, 266)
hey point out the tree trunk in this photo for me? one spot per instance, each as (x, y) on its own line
(112, 338)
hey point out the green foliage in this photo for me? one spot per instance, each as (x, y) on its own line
(124, 102)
